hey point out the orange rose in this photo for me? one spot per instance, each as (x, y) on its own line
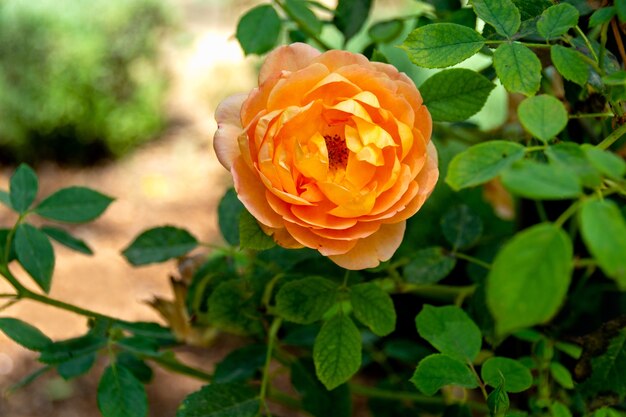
(331, 152)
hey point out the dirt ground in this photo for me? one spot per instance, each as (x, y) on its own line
(174, 180)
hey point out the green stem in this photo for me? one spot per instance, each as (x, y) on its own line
(590, 115)
(541, 211)
(535, 148)
(303, 26)
(582, 35)
(372, 392)
(571, 210)
(612, 138)
(473, 260)
(178, 367)
(268, 358)
(481, 384)
(528, 44)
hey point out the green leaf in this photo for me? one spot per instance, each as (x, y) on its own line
(529, 278)
(373, 307)
(517, 377)
(543, 116)
(569, 349)
(615, 78)
(518, 68)
(306, 300)
(233, 306)
(24, 334)
(501, 14)
(5, 198)
(438, 370)
(456, 94)
(73, 205)
(571, 156)
(429, 266)
(76, 366)
(557, 20)
(558, 409)
(253, 40)
(299, 11)
(498, 401)
(221, 400)
(561, 375)
(228, 213)
(23, 188)
(386, 31)
(35, 254)
(67, 240)
(461, 226)
(159, 245)
(570, 63)
(140, 370)
(65, 350)
(602, 16)
(607, 370)
(316, 399)
(482, 162)
(535, 180)
(120, 394)
(240, 364)
(337, 351)
(606, 162)
(620, 7)
(251, 236)
(350, 15)
(530, 9)
(450, 330)
(604, 232)
(442, 45)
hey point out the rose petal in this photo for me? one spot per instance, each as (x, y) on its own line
(325, 246)
(228, 117)
(369, 252)
(287, 58)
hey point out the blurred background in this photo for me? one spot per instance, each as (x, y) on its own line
(119, 96)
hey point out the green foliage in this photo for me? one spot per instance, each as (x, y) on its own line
(24, 186)
(539, 181)
(350, 16)
(24, 334)
(557, 20)
(251, 235)
(461, 227)
(501, 14)
(570, 63)
(514, 376)
(35, 253)
(306, 300)
(518, 68)
(159, 244)
(67, 240)
(607, 369)
(542, 116)
(220, 400)
(120, 394)
(253, 40)
(373, 307)
(73, 205)
(438, 370)
(78, 81)
(428, 266)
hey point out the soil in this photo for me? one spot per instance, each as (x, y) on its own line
(174, 180)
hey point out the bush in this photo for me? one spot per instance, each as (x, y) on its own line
(79, 80)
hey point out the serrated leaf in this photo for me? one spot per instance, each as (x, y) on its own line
(386, 31)
(233, 306)
(529, 278)
(571, 156)
(604, 232)
(456, 94)
(518, 68)
(606, 162)
(337, 351)
(438, 370)
(299, 11)
(429, 266)
(482, 162)
(561, 375)
(607, 369)
(501, 14)
(306, 300)
(451, 331)
(228, 212)
(530, 9)
(221, 400)
(350, 15)
(557, 20)
(240, 364)
(23, 188)
(602, 16)
(120, 394)
(159, 244)
(73, 205)
(251, 236)
(253, 40)
(535, 180)
(517, 377)
(24, 334)
(570, 64)
(67, 240)
(35, 254)
(461, 226)
(373, 307)
(543, 116)
(442, 45)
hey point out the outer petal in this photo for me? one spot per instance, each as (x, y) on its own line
(287, 58)
(369, 252)
(228, 117)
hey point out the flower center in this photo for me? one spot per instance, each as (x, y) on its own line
(337, 151)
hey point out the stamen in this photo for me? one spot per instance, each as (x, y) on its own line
(337, 151)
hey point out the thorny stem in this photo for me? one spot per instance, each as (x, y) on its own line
(268, 358)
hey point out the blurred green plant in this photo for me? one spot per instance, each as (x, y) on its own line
(78, 80)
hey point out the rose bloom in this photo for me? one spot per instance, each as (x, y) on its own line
(331, 152)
